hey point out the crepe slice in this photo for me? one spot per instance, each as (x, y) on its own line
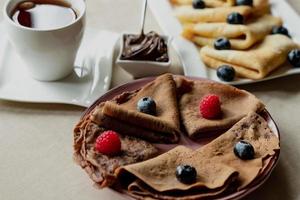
(112, 123)
(187, 14)
(99, 167)
(240, 36)
(165, 124)
(216, 164)
(235, 104)
(255, 63)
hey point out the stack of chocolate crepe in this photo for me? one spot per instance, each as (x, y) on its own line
(256, 50)
(143, 170)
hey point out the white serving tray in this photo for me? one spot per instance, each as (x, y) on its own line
(189, 54)
(91, 77)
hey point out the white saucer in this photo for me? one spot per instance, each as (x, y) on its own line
(189, 53)
(91, 77)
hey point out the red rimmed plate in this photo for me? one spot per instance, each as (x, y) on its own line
(263, 176)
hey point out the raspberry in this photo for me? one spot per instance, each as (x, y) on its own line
(108, 143)
(210, 107)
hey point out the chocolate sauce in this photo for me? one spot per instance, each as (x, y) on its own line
(148, 47)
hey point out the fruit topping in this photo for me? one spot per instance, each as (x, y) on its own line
(147, 105)
(294, 57)
(222, 44)
(244, 2)
(226, 73)
(280, 30)
(186, 174)
(198, 4)
(244, 150)
(108, 143)
(235, 18)
(210, 107)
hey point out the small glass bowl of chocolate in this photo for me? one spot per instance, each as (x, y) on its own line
(144, 54)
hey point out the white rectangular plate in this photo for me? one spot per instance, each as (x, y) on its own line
(91, 78)
(189, 55)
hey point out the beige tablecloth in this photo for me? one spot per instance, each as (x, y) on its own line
(36, 140)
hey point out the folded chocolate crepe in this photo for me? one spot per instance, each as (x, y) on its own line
(240, 36)
(164, 127)
(255, 63)
(235, 104)
(99, 167)
(187, 14)
(217, 166)
(128, 129)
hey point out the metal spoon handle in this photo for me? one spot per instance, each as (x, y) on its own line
(144, 12)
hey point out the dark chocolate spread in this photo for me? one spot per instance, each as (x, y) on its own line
(148, 47)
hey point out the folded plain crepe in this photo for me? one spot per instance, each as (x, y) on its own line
(235, 104)
(122, 113)
(208, 3)
(187, 14)
(255, 63)
(240, 36)
(217, 166)
(99, 167)
(260, 7)
(218, 3)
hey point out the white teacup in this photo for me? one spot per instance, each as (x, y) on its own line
(48, 54)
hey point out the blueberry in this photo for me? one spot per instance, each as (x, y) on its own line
(235, 18)
(186, 174)
(244, 2)
(280, 30)
(222, 44)
(244, 150)
(198, 4)
(147, 105)
(226, 73)
(294, 57)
